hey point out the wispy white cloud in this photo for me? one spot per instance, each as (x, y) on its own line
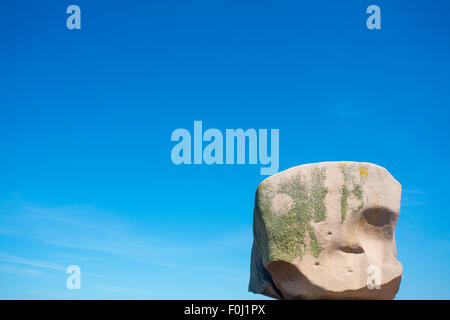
(88, 228)
(115, 251)
(117, 289)
(85, 227)
(5, 257)
(6, 231)
(240, 238)
(19, 271)
(412, 198)
(411, 191)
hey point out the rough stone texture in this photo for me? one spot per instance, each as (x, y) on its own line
(321, 230)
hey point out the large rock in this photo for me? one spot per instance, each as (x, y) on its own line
(326, 231)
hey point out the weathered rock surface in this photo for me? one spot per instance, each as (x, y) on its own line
(326, 231)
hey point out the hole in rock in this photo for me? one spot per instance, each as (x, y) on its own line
(355, 249)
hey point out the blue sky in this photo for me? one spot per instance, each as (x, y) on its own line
(86, 117)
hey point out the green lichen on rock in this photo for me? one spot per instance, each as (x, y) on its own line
(357, 191)
(287, 233)
(349, 173)
(344, 197)
(318, 194)
(313, 244)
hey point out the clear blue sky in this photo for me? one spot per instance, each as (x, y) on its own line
(86, 117)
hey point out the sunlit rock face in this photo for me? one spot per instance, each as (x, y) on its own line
(326, 231)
